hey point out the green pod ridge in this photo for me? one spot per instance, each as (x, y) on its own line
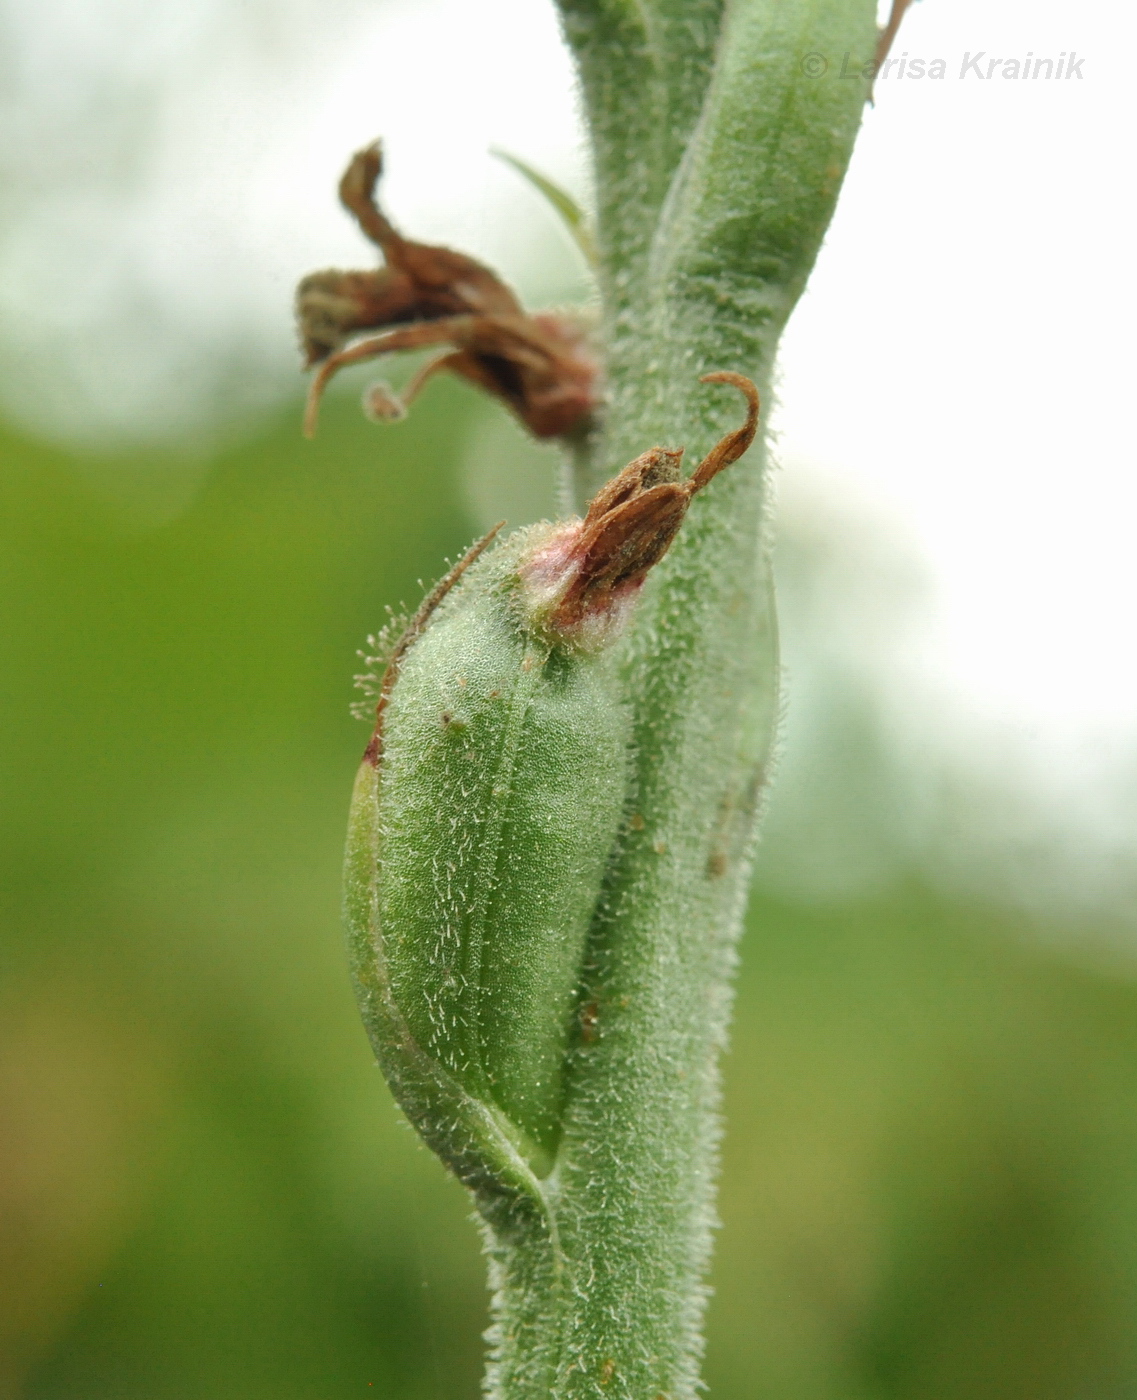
(477, 846)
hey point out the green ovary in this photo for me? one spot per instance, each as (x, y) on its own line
(500, 794)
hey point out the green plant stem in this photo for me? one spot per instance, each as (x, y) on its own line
(715, 186)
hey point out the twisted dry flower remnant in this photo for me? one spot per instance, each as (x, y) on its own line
(485, 814)
(541, 366)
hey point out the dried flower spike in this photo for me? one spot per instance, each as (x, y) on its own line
(540, 366)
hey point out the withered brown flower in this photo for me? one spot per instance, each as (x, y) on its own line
(583, 578)
(541, 366)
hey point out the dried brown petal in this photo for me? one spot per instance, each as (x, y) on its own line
(542, 367)
(582, 579)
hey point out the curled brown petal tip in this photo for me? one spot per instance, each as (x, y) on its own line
(885, 37)
(315, 395)
(734, 444)
(357, 195)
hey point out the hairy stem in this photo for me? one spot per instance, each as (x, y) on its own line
(718, 163)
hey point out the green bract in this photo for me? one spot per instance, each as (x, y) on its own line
(477, 848)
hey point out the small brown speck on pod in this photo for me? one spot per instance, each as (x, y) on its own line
(716, 864)
(607, 1371)
(411, 633)
(637, 822)
(659, 847)
(589, 1016)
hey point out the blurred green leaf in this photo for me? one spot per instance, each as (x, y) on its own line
(573, 216)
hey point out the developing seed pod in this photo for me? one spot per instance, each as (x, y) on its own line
(486, 810)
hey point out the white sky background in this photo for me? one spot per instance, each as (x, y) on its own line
(959, 372)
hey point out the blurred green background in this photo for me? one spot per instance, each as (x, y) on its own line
(930, 1171)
